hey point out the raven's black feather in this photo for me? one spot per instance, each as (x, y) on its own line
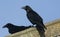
(13, 28)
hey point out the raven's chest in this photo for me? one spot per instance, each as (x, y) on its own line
(30, 15)
(31, 18)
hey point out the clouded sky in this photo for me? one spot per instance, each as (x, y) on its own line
(11, 12)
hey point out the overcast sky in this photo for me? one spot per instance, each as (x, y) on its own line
(11, 12)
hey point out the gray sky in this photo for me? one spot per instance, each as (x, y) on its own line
(11, 12)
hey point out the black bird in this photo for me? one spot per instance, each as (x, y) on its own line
(34, 18)
(13, 28)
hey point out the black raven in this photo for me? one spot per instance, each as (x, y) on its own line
(13, 28)
(34, 18)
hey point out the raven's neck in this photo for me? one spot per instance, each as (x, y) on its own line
(29, 11)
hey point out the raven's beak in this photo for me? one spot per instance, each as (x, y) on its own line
(4, 26)
(23, 7)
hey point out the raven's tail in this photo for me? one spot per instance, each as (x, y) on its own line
(44, 26)
(41, 31)
(42, 34)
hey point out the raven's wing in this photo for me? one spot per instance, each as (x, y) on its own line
(33, 17)
(39, 20)
(36, 19)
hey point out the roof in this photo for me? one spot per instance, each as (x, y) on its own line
(52, 22)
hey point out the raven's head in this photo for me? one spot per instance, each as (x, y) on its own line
(27, 8)
(8, 25)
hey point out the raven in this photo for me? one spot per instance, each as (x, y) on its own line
(34, 18)
(13, 28)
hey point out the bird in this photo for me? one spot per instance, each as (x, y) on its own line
(13, 28)
(34, 18)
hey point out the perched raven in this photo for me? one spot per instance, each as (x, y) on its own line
(34, 18)
(13, 29)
